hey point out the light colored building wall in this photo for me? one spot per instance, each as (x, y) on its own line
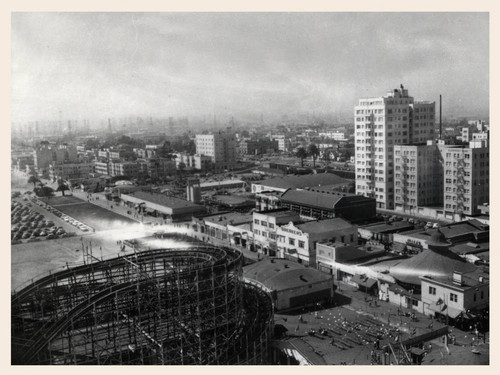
(466, 178)
(220, 147)
(454, 296)
(418, 176)
(380, 123)
(265, 227)
(295, 244)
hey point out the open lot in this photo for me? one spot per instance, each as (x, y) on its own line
(89, 214)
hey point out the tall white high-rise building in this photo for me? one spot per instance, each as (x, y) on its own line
(380, 123)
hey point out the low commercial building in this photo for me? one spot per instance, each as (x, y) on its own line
(436, 262)
(265, 225)
(325, 204)
(292, 285)
(346, 261)
(160, 205)
(233, 202)
(282, 184)
(383, 232)
(267, 200)
(459, 296)
(215, 228)
(298, 242)
(461, 232)
(222, 185)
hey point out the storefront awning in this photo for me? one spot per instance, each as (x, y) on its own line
(453, 313)
(439, 306)
(442, 308)
(363, 281)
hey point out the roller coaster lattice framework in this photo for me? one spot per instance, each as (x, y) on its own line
(163, 306)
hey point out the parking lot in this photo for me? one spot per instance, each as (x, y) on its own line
(96, 217)
(30, 222)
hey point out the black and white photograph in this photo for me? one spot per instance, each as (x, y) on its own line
(249, 188)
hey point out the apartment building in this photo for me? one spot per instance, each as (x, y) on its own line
(381, 123)
(157, 168)
(283, 143)
(257, 147)
(101, 167)
(335, 135)
(466, 178)
(124, 168)
(220, 147)
(198, 162)
(70, 171)
(418, 176)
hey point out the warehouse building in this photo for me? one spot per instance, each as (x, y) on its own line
(292, 285)
(160, 205)
(282, 184)
(322, 204)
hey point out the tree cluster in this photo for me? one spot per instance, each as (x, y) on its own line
(312, 151)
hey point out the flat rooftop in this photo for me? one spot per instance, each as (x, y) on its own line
(162, 199)
(387, 227)
(322, 226)
(278, 213)
(221, 183)
(304, 181)
(281, 274)
(231, 218)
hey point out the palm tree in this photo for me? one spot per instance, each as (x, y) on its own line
(302, 154)
(62, 187)
(314, 152)
(33, 180)
(326, 155)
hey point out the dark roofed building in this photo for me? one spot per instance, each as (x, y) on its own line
(383, 232)
(329, 204)
(299, 182)
(292, 285)
(160, 204)
(456, 233)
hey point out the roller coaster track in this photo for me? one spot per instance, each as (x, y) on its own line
(56, 303)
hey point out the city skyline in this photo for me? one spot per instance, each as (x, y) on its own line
(94, 65)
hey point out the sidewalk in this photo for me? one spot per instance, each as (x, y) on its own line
(385, 312)
(99, 199)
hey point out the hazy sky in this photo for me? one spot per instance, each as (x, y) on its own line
(118, 64)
